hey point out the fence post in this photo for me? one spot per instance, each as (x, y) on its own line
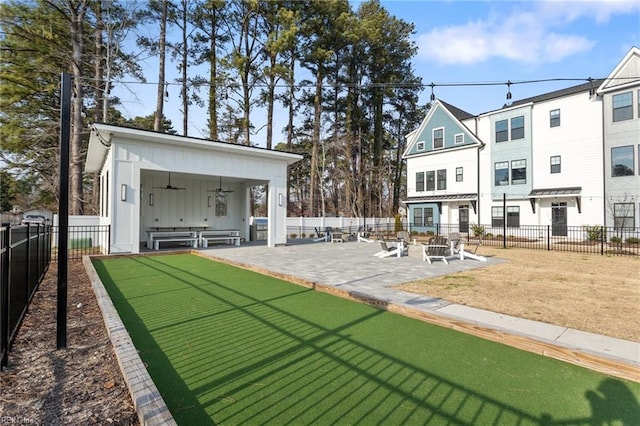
(548, 237)
(603, 235)
(4, 297)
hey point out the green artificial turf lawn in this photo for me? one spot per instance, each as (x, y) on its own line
(229, 346)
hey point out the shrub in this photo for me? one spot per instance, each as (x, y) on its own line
(633, 240)
(615, 240)
(477, 230)
(293, 235)
(398, 224)
(303, 235)
(594, 233)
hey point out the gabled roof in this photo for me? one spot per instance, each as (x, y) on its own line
(626, 73)
(457, 112)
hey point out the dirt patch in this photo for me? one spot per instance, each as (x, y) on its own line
(78, 385)
(588, 292)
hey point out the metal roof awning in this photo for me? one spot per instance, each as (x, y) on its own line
(572, 191)
(444, 197)
(555, 192)
(471, 198)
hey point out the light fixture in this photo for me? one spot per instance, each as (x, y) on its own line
(591, 89)
(209, 201)
(508, 90)
(123, 192)
(280, 199)
(433, 96)
(151, 198)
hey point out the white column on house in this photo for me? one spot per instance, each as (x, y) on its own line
(277, 208)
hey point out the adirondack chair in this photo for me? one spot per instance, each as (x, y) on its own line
(471, 254)
(435, 249)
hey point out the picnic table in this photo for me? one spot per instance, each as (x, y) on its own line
(154, 238)
(194, 236)
(229, 236)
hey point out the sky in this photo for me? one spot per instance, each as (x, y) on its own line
(476, 42)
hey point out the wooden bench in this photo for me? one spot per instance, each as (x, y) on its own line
(156, 237)
(228, 236)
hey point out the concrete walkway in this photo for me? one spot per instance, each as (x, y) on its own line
(351, 267)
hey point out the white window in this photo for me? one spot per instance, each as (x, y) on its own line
(420, 146)
(438, 138)
(420, 181)
(624, 215)
(517, 127)
(459, 138)
(502, 131)
(554, 118)
(442, 179)
(556, 164)
(623, 106)
(518, 172)
(501, 173)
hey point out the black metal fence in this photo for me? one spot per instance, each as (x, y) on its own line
(601, 240)
(83, 240)
(25, 254)
(596, 239)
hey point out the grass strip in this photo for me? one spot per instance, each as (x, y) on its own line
(230, 346)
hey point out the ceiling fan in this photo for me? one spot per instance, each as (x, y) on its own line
(220, 189)
(169, 186)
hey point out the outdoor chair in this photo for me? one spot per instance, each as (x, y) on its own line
(454, 241)
(323, 235)
(336, 236)
(404, 236)
(388, 251)
(364, 236)
(435, 249)
(472, 254)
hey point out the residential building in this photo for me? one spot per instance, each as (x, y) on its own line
(563, 158)
(442, 170)
(620, 93)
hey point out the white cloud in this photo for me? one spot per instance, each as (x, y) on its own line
(531, 35)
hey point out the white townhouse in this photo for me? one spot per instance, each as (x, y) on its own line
(620, 93)
(443, 158)
(545, 160)
(564, 158)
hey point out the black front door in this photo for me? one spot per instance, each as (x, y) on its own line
(463, 218)
(559, 219)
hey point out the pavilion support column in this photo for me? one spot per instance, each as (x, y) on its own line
(277, 207)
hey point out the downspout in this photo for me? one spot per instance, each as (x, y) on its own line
(480, 148)
(604, 166)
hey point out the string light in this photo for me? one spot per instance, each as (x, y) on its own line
(398, 85)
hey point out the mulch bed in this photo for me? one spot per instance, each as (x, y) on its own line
(81, 384)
